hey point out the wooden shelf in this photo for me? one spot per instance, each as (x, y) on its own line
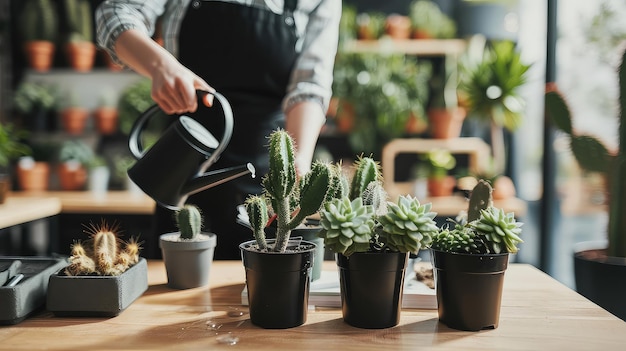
(17, 210)
(421, 47)
(111, 202)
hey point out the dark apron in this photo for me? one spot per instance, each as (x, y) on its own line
(247, 54)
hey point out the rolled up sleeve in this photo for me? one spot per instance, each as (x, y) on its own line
(313, 74)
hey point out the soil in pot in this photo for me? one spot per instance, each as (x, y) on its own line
(371, 285)
(278, 283)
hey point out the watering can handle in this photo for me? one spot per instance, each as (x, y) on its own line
(134, 140)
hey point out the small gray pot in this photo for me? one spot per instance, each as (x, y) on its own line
(187, 262)
(96, 296)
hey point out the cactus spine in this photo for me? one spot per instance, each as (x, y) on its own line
(101, 253)
(593, 155)
(189, 221)
(291, 200)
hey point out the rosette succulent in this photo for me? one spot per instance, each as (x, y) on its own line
(348, 226)
(408, 226)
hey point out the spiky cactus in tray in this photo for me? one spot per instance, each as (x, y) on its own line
(365, 221)
(486, 229)
(290, 199)
(103, 253)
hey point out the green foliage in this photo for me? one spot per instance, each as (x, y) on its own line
(384, 90)
(189, 221)
(38, 20)
(426, 16)
(134, 100)
(592, 155)
(11, 143)
(493, 231)
(75, 150)
(439, 162)
(371, 25)
(291, 199)
(32, 96)
(79, 20)
(491, 85)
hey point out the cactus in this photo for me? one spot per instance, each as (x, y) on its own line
(291, 200)
(38, 21)
(80, 20)
(592, 155)
(189, 221)
(486, 230)
(366, 221)
(101, 253)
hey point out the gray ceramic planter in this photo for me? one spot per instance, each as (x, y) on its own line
(188, 263)
(96, 296)
(19, 301)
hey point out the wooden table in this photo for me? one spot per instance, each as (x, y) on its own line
(93, 202)
(538, 313)
(16, 210)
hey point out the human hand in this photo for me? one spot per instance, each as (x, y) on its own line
(174, 89)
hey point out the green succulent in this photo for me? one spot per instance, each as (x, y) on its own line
(500, 229)
(189, 221)
(408, 226)
(459, 239)
(347, 226)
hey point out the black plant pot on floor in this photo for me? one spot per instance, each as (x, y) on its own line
(371, 285)
(469, 289)
(278, 284)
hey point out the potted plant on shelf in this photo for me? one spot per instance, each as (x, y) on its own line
(372, 239)
(79, 47)
(35, 101)
(469, 262)
(188, 253)
(600, 269)
(370, 26)
(429, 22)
(103, 277)
(12, 147)
(38, 30)
(489, 90)
(439, 163)
(277, 270)
(74, 156)
(98, 174)
(106, 113)
(73, 115)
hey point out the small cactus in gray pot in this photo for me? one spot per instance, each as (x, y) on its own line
(189, 221)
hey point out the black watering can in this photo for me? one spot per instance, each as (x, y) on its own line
(176, 165)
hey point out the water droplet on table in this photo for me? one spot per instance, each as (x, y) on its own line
(227, 339)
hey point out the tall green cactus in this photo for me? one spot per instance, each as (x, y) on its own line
(291, 200)
(79, 19)
(593, 155)
(189, 221)
(38, 21)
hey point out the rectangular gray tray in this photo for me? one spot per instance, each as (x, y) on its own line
(29, 295)
(96, 296)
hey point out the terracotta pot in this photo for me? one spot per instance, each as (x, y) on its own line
(344, 117)
(503, 188)
(5, 186)
(441, 186)
(74, 119)
(40, 54)
(446, 123)
(398, 26)
(421, 34)
(106, 119)
(72, 176)
(81, 55)
(35, 177)
(416, 125)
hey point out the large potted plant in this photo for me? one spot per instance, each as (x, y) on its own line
(38, 25)
(277, 270)
(469, 261)
(12, 146)
(188, 253)
(600, 272)
(372, 239)
(489, 90)
(103, 277)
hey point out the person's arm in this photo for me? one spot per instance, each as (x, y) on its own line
(124, 29)
(309, 91)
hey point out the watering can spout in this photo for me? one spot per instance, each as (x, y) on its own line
(213, 178)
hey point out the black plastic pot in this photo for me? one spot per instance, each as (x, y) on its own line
(371, 285)
(601, 278)
(278, 284)
(469, 289)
